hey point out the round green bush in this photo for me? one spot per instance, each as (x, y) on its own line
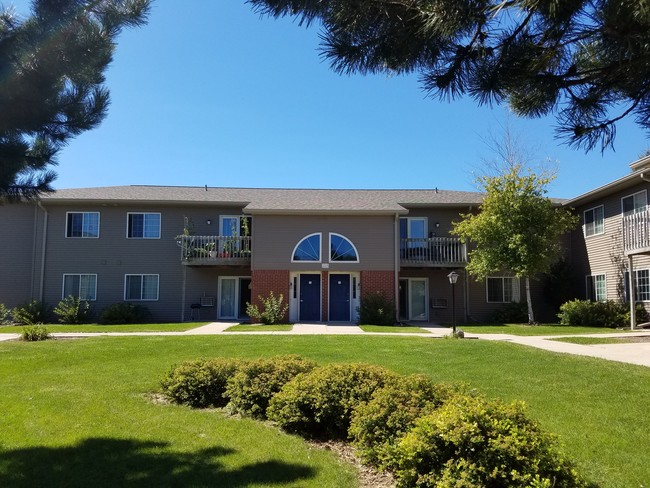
(473, 442)
(200, 383)
(33, 333)
(320, 403)
(391, 413)
(125, 313)
(250, 389)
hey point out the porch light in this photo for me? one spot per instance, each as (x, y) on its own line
(208, 221)
(453, 278)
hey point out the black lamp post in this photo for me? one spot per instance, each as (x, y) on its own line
(453, 278)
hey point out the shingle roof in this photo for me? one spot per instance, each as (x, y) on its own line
(269, 200)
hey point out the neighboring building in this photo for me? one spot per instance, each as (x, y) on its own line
(175, 248)
(200, 252)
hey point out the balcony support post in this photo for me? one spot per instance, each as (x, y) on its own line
(631, 287)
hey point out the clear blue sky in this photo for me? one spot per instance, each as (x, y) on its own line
(210, 93)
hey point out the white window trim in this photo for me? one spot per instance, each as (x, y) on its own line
(626, 276)
(80, 275)
(645, 192)
(516, 296)
(409, 220)
(99, 226)
(237, 295)
(329, 248)
(320, 249)
(142, 284)
(584, 220)
(143, 237)
(589, 277)
(236, 217)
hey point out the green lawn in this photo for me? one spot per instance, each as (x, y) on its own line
(77, 413)
(534, 330)
(595, 340)
(175, 327)
(394, 329)
(259, 328)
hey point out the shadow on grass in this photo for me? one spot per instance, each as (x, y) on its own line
(103, 463)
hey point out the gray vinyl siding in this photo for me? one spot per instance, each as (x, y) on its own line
(19, 253)
(275, 237)
(603, 254)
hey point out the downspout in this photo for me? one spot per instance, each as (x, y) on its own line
(43, 249)
(396, 266)
(34, 236)
(632, 289)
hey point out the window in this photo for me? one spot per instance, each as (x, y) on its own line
(594, 221)
(641, 285)
(502, 289)
(596, 288)
(308, 249)
(83, 286)
(143, 226)
(634, 203)
(141, 287)
(342, 250)
(82, 224)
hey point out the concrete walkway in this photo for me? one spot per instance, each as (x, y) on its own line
(633, 353)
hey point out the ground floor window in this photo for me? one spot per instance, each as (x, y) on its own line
(641, 285)
(83, 286)
(141, 287)
(502, 289)
(596, 288)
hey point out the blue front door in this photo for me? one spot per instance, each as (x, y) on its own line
(310, 297)
(339, 297)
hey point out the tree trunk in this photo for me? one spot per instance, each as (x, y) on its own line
(531, 316)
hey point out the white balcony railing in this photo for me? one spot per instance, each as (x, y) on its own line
(636, 235)
(214, 249)
(434, 251)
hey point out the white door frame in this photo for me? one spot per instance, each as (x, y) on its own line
(236, 299)
(355, 295)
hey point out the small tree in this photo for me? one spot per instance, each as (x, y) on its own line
(517, 228)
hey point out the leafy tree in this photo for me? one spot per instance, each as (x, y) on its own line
(586, 61)
(516, 229)
(52, 66)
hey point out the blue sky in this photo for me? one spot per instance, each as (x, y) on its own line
(209, 93)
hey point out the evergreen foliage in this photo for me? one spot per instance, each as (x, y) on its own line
(586, 62)
(52, 66)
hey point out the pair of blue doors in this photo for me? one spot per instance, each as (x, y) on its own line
(339, 297)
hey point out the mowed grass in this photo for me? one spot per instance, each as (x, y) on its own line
(98, 328)
(77, 413)
(408, 329)
(596, 340)
(259, 328)
(534, 330)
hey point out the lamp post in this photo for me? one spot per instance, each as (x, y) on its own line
(453, 278)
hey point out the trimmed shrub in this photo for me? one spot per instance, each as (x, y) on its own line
(472, 442)
(34, 312)
(319, 404)
(597, 314)
(32, 333)
(5, 315)
(200, 383)
(274, 312)
(73, 310)
(511, 313)
(250, 389)
(125, 313)
(391, 413)
(376, 309)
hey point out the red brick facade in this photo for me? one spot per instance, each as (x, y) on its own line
(265, 281)
(378, 281)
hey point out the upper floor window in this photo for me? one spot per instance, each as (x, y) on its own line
(141, 287)
(596, 288)
(413, 227)
(594, 221)
(143, 226)
(502, 289)
(83, 286)
(635, 203)
(342, 249)
(82, 224)
(308, 249)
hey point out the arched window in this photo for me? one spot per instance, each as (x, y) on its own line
(308, 249)
(342, 249)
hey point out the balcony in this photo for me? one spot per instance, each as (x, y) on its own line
(215, 250)
(433, 252)
(636, 233)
